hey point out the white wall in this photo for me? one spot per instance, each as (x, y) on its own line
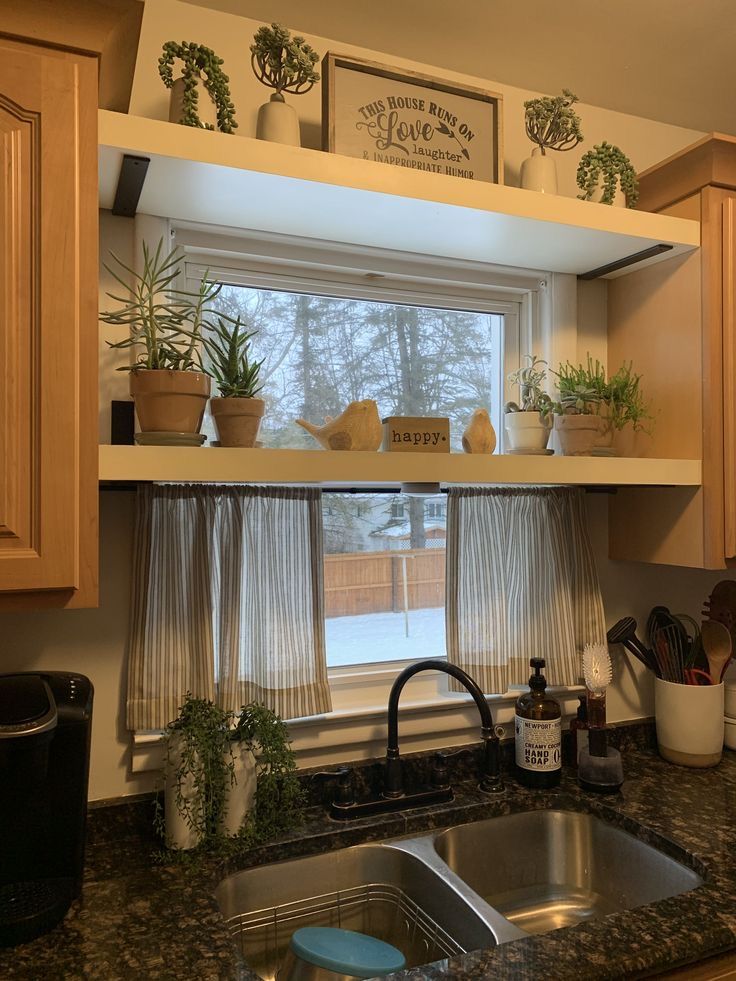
(94, 642)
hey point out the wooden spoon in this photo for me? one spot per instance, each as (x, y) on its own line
(716, 640)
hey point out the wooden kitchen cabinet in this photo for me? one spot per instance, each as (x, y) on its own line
(677, 322)
(48, 327)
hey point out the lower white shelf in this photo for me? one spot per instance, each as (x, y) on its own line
(340, 467)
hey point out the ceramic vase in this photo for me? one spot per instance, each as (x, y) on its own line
(240, 795)
(539, 173)
(528, 432)
(237, 420)
(178, 831)
(278, 122)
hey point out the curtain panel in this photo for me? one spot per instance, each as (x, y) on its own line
(521, 583)
(228, 601)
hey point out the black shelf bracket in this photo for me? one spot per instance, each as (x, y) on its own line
(130, 185)
(628, 260)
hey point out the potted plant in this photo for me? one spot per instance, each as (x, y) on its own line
(605, 174)
(226, 774)
(528, 422)
(199, 63)
(285, 64)
(577, 413)
(551, 124)
(165, 325)
(237, 413)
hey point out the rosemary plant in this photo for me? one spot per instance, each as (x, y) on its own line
(552, 123)
(585, 388)
(283, 62)
(228, 345)
(165, 322)
(199, 63)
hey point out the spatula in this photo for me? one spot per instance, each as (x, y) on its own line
(716, 640)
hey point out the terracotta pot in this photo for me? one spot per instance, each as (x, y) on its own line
(168, 401)
(577, 433)
(603, 445)
(237, 420)
(527, 431)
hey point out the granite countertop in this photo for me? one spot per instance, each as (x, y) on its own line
(139, 919)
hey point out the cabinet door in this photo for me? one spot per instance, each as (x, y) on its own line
(48, 326)
(729, 373)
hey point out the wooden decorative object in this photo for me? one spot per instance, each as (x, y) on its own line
(416, 434)
(480, 436)
(358, 427)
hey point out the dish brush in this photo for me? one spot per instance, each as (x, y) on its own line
(598, 674)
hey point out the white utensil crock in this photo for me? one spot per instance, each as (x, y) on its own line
(689, 723)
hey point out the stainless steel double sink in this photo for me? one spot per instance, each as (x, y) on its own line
(438, 894)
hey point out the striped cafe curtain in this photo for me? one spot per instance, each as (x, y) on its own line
(228, 601)
(521, 583)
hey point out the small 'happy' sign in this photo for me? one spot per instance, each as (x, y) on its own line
(416, 434)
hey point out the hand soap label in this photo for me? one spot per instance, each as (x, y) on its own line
(538, 744)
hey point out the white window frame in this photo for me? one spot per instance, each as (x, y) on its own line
(535, 304)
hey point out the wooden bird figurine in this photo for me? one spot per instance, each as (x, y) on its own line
(358, 427)
(480, 436)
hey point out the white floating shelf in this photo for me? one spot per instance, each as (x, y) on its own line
(335, 467)
(240, 182)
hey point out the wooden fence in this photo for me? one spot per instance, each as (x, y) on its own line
(373, 582)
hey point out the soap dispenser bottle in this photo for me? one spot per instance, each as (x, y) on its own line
(538, 733)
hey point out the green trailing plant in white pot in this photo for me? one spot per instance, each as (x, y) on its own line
(528, 421)
(164, 330)
(552, 125)
(606, 175)
(238, 411)
(227, 776)
(285, 64)
(199, 64)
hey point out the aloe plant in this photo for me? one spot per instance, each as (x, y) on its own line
(228, 345)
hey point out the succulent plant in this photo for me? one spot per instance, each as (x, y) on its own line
(199, 62)
(610, 166)
(529, 380)
(283, 62)
(227, 344)
(552, 123)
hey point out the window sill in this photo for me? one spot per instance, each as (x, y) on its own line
(352, 733)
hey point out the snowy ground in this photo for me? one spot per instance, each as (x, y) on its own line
(376, 637)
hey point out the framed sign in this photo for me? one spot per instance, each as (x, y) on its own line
(399, 117)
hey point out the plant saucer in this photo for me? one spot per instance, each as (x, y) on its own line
(169, 439)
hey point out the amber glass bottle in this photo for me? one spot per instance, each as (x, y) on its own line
(538, 733)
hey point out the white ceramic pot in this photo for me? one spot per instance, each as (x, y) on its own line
(206, 109)
(528, 432)
(178, 832)
(240, 795)
(577, 433)
(278, 122)
(689, 720)
(539, 173)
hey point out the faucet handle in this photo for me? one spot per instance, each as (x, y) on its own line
(440, 770)
(344, 777)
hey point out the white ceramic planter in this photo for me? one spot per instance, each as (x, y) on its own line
(240, 796)
(539, 173)
(577, 434)
(278, 122)
(689, 721)
(206, 109)
(177, 830)
(528, 432)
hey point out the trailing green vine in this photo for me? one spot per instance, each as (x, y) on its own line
(199, 63)
(610, 165)
(199, 747)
